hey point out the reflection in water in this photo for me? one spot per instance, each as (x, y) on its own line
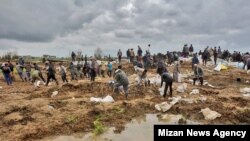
(139, 129)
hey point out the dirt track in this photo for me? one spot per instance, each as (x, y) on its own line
(31, 114)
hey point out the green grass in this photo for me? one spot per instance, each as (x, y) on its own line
(71, 119)
(119, 110)
(98, 127)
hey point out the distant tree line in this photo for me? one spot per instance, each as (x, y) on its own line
(10, 55)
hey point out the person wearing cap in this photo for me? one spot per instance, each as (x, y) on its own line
(168, 79)
(198, 72)
(121, 79)
(7, 73)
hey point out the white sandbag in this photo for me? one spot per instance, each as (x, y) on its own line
(187, 100)
(182, 88)
(111, 81)
(158, 80)
(174, 100)
(137, 80)
(54, 93)
(99, 62)
(93, 99)
(246, 95)
(179, 78)
(203, 98)
(37, 84)
(195, 91)
(51, 107)
(209, 114)
(164, 106)
(239, 65)
(135, 67)
(190, 81)
(155, 80)
(209, 85)
(245, 90)
(108, 99)
(218, 67)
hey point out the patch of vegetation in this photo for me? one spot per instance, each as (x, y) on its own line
(119, 110)
(71, 119)
(98, 127)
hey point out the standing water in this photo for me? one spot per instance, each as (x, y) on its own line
(139, 129)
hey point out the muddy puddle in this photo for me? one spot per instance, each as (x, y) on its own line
(138, 129)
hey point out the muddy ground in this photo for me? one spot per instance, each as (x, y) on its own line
(27, 113)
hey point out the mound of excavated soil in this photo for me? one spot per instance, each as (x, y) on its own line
(27, 113)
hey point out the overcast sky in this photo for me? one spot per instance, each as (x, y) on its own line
(56, 27)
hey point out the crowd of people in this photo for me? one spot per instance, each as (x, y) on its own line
(90, 68)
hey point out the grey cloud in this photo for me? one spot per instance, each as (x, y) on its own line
(112, 23)
(40, 21)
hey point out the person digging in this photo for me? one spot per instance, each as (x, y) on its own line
(198, 72)
(121, 79)
(168, 79)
